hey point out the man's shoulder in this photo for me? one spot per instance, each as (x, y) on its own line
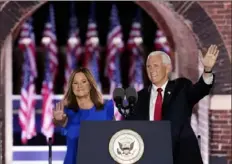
(183, 81)
(143, 91)
(179, 81)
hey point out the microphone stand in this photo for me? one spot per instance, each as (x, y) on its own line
(125, 111)
(50, 151)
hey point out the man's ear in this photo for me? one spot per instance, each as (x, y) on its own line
(168, 68)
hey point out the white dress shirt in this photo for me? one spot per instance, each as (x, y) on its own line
(208, 80)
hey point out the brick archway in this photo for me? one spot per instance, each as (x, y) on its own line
(186, 37)
(170, 18)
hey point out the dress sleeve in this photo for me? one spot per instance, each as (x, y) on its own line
(72, 127)
(110, 109)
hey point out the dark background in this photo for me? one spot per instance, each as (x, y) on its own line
(126, 11)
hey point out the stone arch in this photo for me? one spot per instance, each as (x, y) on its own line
(185, 37)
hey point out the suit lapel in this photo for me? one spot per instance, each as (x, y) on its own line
(147, 103)
(167, 96)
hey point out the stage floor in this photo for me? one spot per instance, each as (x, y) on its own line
(37, 154)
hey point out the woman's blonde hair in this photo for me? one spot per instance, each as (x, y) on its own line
(95, 95)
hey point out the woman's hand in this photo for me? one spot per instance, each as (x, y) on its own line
(58, 112)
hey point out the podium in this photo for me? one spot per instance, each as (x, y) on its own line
(125, 142)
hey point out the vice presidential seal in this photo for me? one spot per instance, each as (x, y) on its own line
(126, 147)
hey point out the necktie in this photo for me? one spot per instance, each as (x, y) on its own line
(158, 106)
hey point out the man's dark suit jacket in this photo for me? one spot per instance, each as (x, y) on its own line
(177, 108)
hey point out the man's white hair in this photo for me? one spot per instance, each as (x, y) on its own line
(165, 57)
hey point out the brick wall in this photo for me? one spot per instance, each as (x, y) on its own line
(206, 31)
(221, 127)
(220, 124)
(221, 113)
(220, 12)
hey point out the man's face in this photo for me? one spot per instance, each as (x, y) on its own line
(157, 71)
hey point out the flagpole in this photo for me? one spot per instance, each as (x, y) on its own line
(50, 150)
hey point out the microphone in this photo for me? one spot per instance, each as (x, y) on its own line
(131, 96)
(118, 96)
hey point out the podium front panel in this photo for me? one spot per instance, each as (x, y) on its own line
(93, 146)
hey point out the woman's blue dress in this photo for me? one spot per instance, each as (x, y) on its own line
(72, 129)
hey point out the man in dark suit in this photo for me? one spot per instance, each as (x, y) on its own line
(173, 100)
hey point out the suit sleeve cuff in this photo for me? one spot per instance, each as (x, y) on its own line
(208, 80)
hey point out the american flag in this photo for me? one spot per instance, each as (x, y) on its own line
(49, 41)
(74, 48)
(136, 58)
(51, 64)
(114, 50)
(161, 42)
(27, 103)
(115, 47)
(92, 57)
(47, 93)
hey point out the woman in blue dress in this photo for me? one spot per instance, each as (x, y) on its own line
(82, 101)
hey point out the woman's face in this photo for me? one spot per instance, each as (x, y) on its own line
(80, 85)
